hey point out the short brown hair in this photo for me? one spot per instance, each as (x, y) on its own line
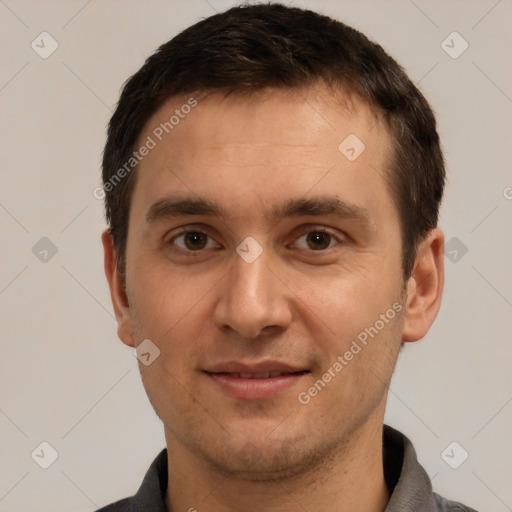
(249, 48)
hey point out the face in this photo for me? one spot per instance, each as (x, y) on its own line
(264, 263)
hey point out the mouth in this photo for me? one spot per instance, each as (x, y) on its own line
(256, 382)
(262, 375)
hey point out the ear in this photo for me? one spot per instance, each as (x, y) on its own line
(424, 287)
(117, 292)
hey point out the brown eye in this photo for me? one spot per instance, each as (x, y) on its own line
(318, 240)
(193, 241)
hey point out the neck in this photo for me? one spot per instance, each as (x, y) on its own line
(352, 479)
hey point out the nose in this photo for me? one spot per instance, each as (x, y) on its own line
(253, 301)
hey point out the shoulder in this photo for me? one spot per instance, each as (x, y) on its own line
(444, 505)
(119, 506)
(151, 493)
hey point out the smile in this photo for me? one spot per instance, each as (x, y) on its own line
(263, 375)
(255, 386)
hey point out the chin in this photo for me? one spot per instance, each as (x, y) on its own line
(264, 460)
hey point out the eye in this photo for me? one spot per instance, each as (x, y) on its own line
(316, 240)
(193, 241)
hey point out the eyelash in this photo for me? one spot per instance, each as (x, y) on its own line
(185, 231)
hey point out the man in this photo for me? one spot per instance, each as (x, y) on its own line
(272, 183)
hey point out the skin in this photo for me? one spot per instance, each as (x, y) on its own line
(295, 303)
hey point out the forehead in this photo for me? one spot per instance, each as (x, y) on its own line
(296, 117)
(262, 147)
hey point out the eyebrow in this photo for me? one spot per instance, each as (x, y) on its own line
(323, 205)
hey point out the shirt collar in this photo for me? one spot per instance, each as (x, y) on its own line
(408, 482)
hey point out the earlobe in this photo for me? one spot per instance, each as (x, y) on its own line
(424, 287)
(117, 291)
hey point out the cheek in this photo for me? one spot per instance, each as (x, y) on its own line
(357, 362)
(345, 302)
(174, 315)
(342, 315)
(164, 300)
(175, 319)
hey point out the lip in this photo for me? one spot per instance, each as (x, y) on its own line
(227, 376)
(261, 367)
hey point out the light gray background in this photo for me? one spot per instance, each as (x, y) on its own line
(66, 378)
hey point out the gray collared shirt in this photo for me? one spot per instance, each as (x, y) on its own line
(408, 482)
